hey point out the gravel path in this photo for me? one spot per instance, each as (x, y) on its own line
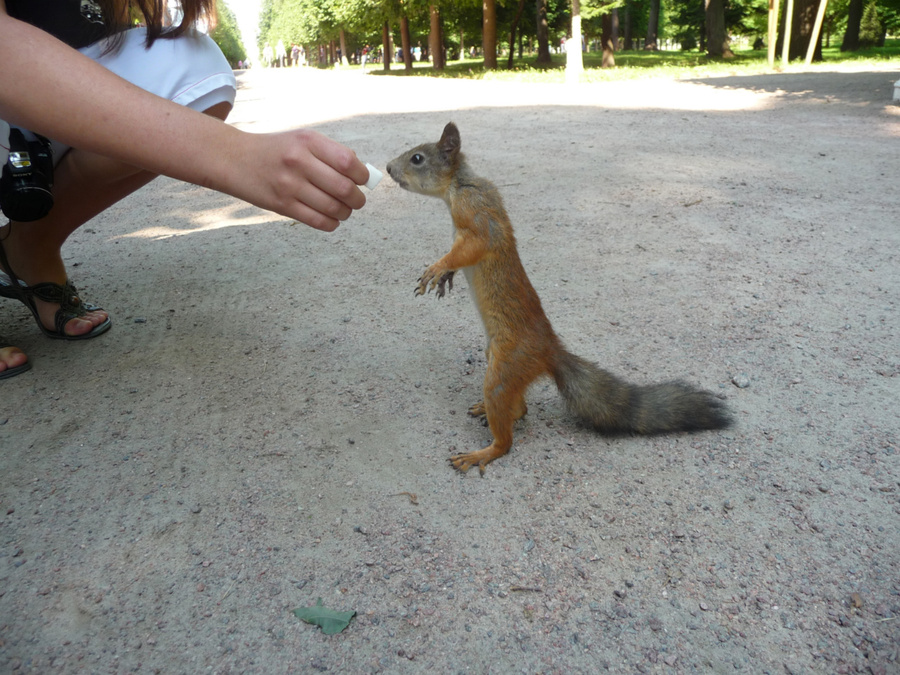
(270, 418)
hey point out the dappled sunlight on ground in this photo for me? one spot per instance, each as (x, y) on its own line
(204, 221)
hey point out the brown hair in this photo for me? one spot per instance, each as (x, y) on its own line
(119, 14)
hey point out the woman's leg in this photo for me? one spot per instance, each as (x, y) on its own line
(85, 185)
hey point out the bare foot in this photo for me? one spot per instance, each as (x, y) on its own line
(11, 357)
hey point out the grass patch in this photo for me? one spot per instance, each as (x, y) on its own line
(639, 64)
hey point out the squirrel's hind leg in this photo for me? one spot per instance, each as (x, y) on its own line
(478, 410)
(504, 403)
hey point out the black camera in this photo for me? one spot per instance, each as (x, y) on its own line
(27, 178)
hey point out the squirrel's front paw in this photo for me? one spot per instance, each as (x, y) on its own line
(428, 281)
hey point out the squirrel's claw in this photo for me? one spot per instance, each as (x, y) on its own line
(480, 458)
(422, 288)
(477, 409)
(463, 463)
(445, 279)
(430, 280)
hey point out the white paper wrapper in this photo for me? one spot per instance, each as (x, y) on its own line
(375, 177)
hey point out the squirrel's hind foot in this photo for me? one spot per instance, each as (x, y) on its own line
(480, 458)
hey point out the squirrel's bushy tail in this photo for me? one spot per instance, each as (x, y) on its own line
(611, 405)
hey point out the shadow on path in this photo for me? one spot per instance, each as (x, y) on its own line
(869, 88)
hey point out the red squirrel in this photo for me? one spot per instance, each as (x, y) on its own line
(521, 344)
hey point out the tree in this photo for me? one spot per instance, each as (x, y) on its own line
(653, 26)
(603, 13)
(801, 30)
(574, 58)
(871, 32)
(716, 33)
(608, 38)
(227, 35)
(386, 45)
(543, 33)
(489, 35)
(854, 19)
(627, 36)
(436, 39)
(512, 33)
(406, 44)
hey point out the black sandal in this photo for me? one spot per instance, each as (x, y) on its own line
(16, 370)
(70, 305)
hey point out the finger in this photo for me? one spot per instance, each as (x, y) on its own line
(340, 173)
(320, 201)
(340, 158)
(315, 219)
(333, 192)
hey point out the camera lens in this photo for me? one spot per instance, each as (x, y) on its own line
(27, 178)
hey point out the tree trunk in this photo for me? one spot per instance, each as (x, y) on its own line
(543, 33)
(716, 35)
(854, 19)
(435, 45)
(574, 58)
(442, 48)
(344, 61)
(512, 34)
(626, 30)
(489, 34)
(405, 44)
(652, 26)
(386, 44)
(614, 21)
(804, 22)
(803, 19)
(608, 41)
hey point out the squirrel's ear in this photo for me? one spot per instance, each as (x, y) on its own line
(449, 143)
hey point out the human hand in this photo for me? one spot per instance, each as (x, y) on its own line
(300, 174)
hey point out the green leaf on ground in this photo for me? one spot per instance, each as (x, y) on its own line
(329, 620)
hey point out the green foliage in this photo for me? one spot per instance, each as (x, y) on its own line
(292, 21)
(871, 32)
(591, 9)
(686, 20)
(316, 22)
(642, 64)
(227, 35)
(889, 13)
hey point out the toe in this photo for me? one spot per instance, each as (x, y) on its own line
(82, 325)
(12, 357)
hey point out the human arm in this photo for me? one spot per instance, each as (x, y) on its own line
(54, 90)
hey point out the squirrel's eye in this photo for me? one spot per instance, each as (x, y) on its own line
(417, 159)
